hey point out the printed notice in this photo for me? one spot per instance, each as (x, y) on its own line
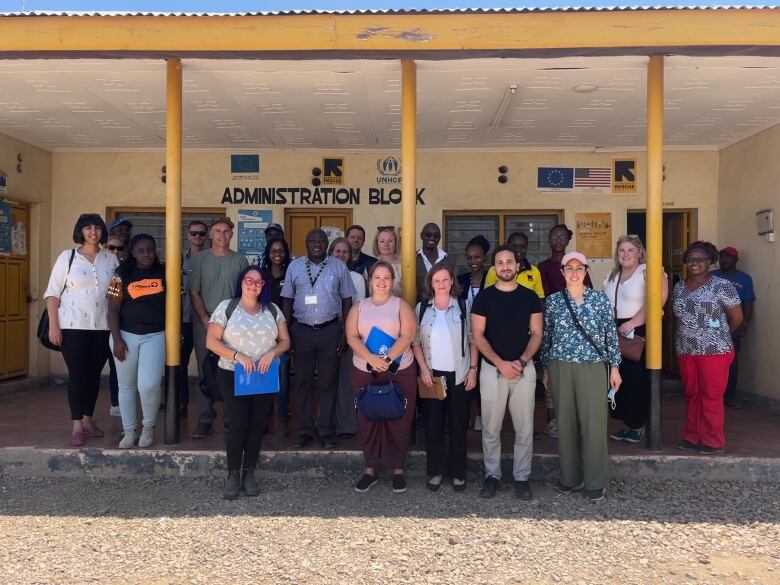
(594, 234)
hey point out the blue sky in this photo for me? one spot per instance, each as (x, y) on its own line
(248, 6)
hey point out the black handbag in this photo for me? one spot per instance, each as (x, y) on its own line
(43, 323)
(381, 402)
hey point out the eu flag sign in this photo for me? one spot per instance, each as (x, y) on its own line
(244, 163)
(555, 179)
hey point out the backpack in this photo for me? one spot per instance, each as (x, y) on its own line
(211, 361)
(462, 306)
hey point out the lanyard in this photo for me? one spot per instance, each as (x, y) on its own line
(312, 281)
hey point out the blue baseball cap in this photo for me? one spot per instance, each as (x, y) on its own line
(120, 221)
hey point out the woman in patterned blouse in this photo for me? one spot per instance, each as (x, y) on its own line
(708, 310)
(579, 339)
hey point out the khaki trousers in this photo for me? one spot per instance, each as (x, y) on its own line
(580, 396)
(519, 394)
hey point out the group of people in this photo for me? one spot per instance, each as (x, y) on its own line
(483, 334)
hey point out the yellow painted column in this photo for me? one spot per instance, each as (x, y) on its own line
(408, 178)
(654, 244)
(173, 173)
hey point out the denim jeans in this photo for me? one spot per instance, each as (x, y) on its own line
(141, 373)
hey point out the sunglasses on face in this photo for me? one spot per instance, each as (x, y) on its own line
(198, 234)
(112, 248)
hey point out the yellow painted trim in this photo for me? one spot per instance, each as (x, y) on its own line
(408, 179)
(427, 32)
(173, 156)
(655, 209)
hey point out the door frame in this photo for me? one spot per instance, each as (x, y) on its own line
(290, 212)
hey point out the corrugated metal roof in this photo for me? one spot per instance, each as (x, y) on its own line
(378, 12)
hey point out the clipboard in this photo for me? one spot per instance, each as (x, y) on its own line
(255, 382)
(379, 343)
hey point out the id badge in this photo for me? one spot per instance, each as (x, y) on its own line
(311, 299)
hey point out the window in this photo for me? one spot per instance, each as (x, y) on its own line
(151, 220)
(461, 226)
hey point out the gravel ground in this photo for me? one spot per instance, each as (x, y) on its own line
(300, 530)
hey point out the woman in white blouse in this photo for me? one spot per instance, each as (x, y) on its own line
(78, 318)
(625, 288)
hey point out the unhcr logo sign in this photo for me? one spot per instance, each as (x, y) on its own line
(389, 170)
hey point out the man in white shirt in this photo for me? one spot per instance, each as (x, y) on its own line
(428, 255)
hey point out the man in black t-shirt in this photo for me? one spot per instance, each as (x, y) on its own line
(507, 326)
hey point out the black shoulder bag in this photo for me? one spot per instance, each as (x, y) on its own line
(580, 328)
(43, 324)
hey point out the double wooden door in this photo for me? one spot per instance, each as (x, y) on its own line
(299, 222)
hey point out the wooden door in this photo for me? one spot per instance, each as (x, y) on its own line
(299, 222)
(14, 294)
(677, 235)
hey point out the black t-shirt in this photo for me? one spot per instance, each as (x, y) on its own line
(143, 301)
(275, 285)
(508, 317)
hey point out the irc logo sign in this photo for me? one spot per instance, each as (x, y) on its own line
(389, 170)
(333, 171)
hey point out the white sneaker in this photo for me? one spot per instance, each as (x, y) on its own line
(128, 441)
(478, 423)
(147, 437)
(114, 411)
(552, 429)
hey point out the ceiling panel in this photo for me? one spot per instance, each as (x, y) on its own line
(584, 103)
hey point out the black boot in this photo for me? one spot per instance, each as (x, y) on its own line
(248, 483)
(232, 485)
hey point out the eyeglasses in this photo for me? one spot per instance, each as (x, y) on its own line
(253, 282)
(575, 269)
(113, 248)
(697, 260)
(198, 234)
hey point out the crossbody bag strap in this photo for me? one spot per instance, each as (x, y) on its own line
(579, 326)
(70, 263)
(617, 286)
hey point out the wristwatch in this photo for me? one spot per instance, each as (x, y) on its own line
(523, 362)
(388, 359)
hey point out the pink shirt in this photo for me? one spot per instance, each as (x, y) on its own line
(386, 317)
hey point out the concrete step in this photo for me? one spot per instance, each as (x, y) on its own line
(113, 463)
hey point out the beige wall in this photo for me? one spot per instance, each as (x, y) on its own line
(750, 182)
(32, 185)
(91, 181)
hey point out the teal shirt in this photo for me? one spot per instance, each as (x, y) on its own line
(564, 342)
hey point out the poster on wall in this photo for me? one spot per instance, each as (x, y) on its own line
(5, 228)
(594, 234)
(251, 232)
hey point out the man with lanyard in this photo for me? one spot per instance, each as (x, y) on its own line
(728, 258)
(358, 262)
(428, 255)
(212, 280)
(196, 236)
(527, 275)
(317, 289)
(507, 328)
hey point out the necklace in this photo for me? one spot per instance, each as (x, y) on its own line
(319, 272)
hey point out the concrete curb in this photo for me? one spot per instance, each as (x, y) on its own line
(112, 463)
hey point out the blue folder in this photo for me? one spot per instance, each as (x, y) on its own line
(379, 342)
(255, 382)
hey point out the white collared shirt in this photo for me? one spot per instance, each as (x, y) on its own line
(428, 265)
(83, 303)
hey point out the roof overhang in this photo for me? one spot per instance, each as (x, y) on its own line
(428, 35)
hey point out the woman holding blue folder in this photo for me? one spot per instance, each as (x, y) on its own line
(252, 335)
(385, 443)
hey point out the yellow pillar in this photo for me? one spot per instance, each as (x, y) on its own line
(173, 156)
(408, 178)
(654, 244)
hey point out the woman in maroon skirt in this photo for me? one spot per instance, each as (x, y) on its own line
(385, 443)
